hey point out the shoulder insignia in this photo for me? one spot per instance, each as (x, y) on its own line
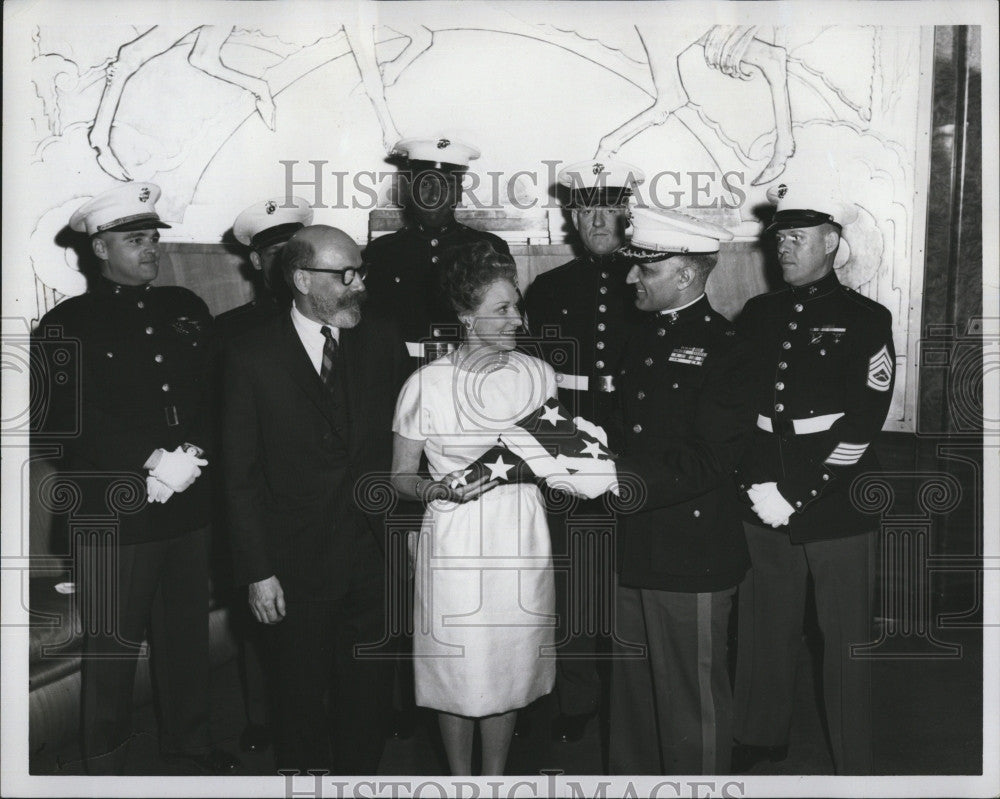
(880, 370)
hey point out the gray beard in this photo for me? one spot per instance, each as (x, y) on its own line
(343, 311)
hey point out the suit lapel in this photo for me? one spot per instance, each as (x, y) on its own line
(295, 361)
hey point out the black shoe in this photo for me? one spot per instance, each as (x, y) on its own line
(569, 729)
(214, 761)
(255, 738)
(522, 727)
(746, 756)
(401, 724)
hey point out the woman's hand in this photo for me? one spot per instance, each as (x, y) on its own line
(453, 487)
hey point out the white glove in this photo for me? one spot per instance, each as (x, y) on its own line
(177, 469)
(769, 504)
(592, 478)
(157, 491)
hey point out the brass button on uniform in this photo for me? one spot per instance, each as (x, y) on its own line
(697, 513)
(786, 345)
(648, 362)
(641, 395)
(793, 325)
(783, 365)
(602, 327)
(779, 407)
(813, 492)
(434, 242)
(779, 386)
(149, 331)
(798, 307)
(600, 345)
(604, 275)
(434, 259)
(602, 308)
(599, 364)
(397, 278)
(140, 304)
(661, 332)
(111, 355)
(637, 428)
(565, 311)
(166, 386)
(158, 358)
(675, 385)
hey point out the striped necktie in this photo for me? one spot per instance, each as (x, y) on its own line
(329, 357)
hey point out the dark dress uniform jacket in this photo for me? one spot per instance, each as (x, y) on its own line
(127, 370)
(236, 321)
(403, 282)
(682, 425)
(294, 452)
(823, 378)
(578, 315)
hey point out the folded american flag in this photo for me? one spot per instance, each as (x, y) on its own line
(548, 443)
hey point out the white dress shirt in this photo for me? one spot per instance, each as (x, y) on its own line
(311, 336)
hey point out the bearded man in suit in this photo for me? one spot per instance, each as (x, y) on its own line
(308, 411)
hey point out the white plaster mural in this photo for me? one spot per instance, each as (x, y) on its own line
(210, 111)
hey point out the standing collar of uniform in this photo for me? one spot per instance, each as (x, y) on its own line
(694, 308)
(102, 285)
(818, 288)
(430, 233)
(605, 261)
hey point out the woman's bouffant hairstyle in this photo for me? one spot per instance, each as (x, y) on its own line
(468, 270)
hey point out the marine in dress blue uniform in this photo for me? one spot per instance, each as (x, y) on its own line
(823, 377)
(403, 267)
(263, 228)
(134, 400)
(682, 424)
(578, 314)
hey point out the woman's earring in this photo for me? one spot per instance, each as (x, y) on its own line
(467, 323)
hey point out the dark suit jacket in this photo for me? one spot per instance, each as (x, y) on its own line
(292, 460)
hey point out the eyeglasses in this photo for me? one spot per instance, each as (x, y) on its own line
(346, 275)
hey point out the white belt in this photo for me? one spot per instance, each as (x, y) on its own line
(573, 382)
(814, 424)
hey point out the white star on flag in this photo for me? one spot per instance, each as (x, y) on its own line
(499, 469)
(593, 449)
(551, 414)
(461, 479)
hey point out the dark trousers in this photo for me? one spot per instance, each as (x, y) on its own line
(314, 656)
(771, 609)
(162, 585)
(671, 709)
(583, 549)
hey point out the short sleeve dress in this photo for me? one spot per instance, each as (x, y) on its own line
(483, 598)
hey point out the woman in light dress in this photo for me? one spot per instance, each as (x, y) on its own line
(484, 605)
